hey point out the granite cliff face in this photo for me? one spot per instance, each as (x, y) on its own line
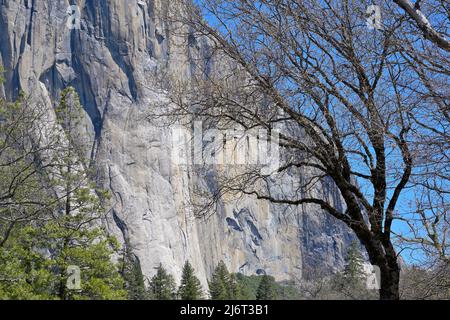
(113, 61)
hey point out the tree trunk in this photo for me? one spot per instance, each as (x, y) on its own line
(390, 278)
(385, 258)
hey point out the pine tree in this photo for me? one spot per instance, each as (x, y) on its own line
(68, 235)
(235, 288)
(132, 275)
(224, 285)
(354, 268)
(75, 237)
(266, 289)
(248, 285)
(219, 286)
(351, 282)
(162, 285)
(190, 288)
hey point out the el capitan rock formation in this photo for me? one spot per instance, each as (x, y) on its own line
(114, 61)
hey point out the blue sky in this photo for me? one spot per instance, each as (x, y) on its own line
(403, 207)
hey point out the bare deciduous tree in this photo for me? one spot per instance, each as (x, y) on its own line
(348, 103)
(23, 142)
(439, 7)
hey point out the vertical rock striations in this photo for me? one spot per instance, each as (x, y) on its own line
(114, 61)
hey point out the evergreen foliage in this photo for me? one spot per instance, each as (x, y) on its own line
(190, 288)
(219, 286)
(266, 289)
(132, 275)
(354, 268)
(162, 285)
(351, 282)
(224, 285)
(45, 232)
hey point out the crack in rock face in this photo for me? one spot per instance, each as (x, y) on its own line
(113, 61)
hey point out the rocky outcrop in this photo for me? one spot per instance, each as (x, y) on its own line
(114, 61)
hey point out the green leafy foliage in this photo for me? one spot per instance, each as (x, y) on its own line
(354, 268)
(266, 289)
(219, 286)
(44, 231)
(132, 274)
(288, 291)
(223, 285)
(2, 79)
(190, 288)
(34, 264)
(234, 288)
(162, 285)
(351, 284)
(249, 286)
